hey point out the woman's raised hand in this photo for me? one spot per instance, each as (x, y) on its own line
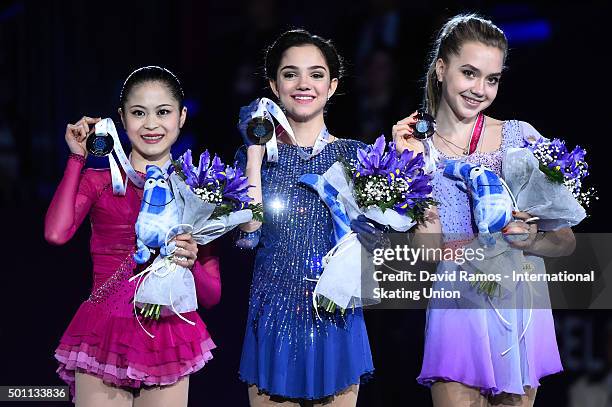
(77, 133)
(403, 135)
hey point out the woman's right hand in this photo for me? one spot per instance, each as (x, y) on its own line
(77, 133)
(403, 135)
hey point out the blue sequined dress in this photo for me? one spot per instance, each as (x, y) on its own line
(287, 350)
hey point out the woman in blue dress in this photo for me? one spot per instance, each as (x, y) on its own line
(290, 356)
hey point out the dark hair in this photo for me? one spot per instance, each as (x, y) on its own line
(296, 38)
(152, 74)
(457, 31)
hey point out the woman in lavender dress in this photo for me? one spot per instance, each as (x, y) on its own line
(484, 355)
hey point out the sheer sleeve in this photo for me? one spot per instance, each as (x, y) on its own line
(207, 277)
(70, 204)
(528, 133)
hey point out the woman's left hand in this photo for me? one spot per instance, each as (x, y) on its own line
(520, 226)
(369, 233)
(186, 250)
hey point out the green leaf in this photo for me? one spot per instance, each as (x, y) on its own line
(257, 210)
(417, 212)
(225, 208)
(328, 306)
(491, 288)
(552, 174)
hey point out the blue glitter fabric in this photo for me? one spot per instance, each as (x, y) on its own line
(287, 350)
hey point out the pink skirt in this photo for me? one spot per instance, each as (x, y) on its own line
(105, 340)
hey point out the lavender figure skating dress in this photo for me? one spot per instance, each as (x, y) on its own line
(493, 349)
(287, 350)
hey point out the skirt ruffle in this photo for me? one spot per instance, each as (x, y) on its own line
(117, 350)
(104, 339)
(467, 346)
(318, 364)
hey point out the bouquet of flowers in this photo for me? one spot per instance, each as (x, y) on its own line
(563, 167)
(383, 180)
(206, 201)
(546, 180)
(390, 189)
(218, 184)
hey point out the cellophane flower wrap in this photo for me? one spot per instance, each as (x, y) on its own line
(211, 200)
(390, 189)
(546, 181)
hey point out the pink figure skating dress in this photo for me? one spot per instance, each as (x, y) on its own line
(104, 338)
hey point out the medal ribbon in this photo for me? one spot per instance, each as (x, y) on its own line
(476, 133)
(106, 126)
(268, 108)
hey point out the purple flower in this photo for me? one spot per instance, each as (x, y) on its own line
(403, 173)
(575, 165)
(420, 189)
(237, 186)
(566, 167)
(370, 158)
(217, 169)
(191, 178)
(373, 160)
(203, 167)
(207, 174)
(410, 164)
(214, 175)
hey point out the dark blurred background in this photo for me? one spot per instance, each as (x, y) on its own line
(62, 60)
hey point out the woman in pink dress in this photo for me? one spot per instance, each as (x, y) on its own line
(105, 356)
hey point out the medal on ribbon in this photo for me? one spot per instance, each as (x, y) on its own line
(105, 143)
(258, 123)
(425, 125)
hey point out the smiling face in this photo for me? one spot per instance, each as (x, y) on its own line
(152, 119)
(470, 80)
(303, 83)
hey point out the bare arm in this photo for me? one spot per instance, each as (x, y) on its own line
(253, 172)
(556, 243)
(429, 234)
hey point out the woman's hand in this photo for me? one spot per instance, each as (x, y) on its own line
(524, 227)
(370, 234)
(76, 134)
(186, 250)
(557, 243)
(403, 135)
